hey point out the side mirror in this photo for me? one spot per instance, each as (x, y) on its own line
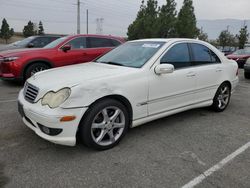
(66, 48)
(164, 69)
(31, 45)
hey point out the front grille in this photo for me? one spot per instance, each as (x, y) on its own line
(30, 92)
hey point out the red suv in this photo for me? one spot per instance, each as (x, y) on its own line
(21, 64)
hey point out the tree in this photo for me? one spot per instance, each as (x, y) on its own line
(6, 33)
(243, 37)
(40, 29)
(227, 39)
(165, 27)
(29, 29)
(143, 26)
(186, 21)
(202, 35)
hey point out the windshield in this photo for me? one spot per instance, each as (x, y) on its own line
(24, 42)
(131, 54)
(55, 43)
(242, 52)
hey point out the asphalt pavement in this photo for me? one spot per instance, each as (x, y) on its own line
(169, 152)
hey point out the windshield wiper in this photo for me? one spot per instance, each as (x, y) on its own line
(111, 63)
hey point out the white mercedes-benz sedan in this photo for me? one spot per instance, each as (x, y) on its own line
(137, 82)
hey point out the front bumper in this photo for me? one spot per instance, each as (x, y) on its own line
(35, 115)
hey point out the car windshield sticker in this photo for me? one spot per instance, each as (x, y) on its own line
(150, 45)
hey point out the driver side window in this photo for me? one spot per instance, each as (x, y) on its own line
(77, 43)
(178, 56)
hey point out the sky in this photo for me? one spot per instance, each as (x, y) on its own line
(59, 16)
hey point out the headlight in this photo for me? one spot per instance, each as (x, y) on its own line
(8, 59)
(55, 99)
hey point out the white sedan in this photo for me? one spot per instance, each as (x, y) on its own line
(135, 83)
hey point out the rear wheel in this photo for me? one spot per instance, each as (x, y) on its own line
(247, 75)
(222, 98)
(34, 68)
(104, 125)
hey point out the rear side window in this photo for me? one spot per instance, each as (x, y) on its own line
(115, 42)
(95, 42)
(203, 55)
(178, 56)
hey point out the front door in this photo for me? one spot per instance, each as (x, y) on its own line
(173, 90)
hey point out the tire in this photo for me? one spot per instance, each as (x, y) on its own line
(222, 98)
(104, 125)
(34, 68)
(247, 75)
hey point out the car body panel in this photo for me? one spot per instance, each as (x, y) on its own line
(142, 88)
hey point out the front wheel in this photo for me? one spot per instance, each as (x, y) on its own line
(34, 68)
(222, 98)
(104, 125)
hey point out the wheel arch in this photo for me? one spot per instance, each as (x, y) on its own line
(227, 82)
(118, 98)
(50, 64)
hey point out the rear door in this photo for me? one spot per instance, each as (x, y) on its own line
(208, 71)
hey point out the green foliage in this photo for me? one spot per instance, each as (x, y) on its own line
(143, 26)
(29, 29)
(226, 39)
(153, 21)
(186, 22)
(40, 29)
(165, 24)
(243, 37)
(5, 32)
(202, 36)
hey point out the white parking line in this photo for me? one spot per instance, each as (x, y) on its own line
(6, 101)
(216, 167)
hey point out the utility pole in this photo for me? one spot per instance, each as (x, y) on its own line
(78, 17)
(228, 28)
(99, 24)
(87, 21)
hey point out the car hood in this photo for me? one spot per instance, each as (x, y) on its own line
(18, 52)
(9, 47)
(73, 75)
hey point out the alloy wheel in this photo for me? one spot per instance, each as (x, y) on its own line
(108, 126)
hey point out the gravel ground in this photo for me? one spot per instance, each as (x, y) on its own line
(168, 152)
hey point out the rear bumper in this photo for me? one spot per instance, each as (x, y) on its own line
(35, 115)
(234, 84)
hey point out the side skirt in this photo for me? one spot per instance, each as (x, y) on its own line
(153, 117)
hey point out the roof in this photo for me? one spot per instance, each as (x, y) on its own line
(166, 39)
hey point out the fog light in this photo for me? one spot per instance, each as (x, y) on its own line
(49, 131)
(45, 130)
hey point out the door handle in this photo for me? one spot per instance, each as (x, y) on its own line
(191, 74)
